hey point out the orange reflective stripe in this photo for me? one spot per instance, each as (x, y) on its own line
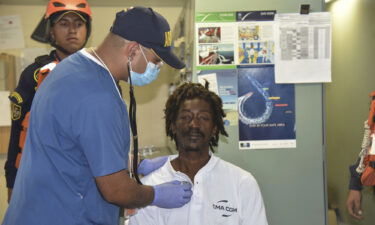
(368, 176)
(21, 143)
(42, 75)
(372, 113)
(18, 160)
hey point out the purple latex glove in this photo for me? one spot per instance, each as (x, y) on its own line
(172, 194)
(148, 165)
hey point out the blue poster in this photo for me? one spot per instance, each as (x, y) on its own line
(224, 83)
(266, 110)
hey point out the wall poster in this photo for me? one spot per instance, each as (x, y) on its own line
(266, 110)
(236, 54)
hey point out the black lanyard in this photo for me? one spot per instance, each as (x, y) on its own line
(133, 125)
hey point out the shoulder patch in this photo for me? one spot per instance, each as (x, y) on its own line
(16, 111)
(16, 96)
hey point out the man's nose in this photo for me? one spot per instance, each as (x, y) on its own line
(194, 122)
(73, 28)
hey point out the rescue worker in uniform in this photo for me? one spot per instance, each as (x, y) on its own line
(66, 26)
(359, 171)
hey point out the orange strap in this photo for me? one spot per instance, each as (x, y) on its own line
(372, 112)
(42, 74)
(18, 160)
(21, 143)
(368, 176)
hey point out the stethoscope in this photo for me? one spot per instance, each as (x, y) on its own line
(132, 117)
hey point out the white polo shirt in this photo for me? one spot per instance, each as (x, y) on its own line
(222, 194)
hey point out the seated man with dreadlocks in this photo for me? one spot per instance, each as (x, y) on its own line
(222, 193)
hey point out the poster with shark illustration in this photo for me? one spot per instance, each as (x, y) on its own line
(266, 110)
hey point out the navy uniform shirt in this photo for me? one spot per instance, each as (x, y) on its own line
(21, 100)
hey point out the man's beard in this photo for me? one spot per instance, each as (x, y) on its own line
(187, 143)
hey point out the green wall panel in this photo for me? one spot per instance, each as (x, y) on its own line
(292, 181)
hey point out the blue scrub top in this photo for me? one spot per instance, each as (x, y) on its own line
(79, 130)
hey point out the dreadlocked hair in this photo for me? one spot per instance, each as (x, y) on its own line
(189, 91)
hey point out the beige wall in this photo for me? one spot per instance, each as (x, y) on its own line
(150, 99)
(347, 101)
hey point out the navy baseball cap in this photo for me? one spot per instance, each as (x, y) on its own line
(148, 28)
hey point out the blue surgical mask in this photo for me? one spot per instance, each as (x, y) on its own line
(150, 74)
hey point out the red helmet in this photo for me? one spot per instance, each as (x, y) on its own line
(42, 31)
(67, 5)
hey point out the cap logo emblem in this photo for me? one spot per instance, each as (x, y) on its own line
(168, 39)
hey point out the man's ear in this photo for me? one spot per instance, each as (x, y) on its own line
(132, 48)
(51, 34)
(173, 129)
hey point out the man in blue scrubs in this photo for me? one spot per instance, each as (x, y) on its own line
(74, 167)
(66, 27)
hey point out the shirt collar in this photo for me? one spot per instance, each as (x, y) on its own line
(206, 168)
(88, 55)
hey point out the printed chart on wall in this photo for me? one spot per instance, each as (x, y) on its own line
(235, 54)
(266, 110)
(303, 53)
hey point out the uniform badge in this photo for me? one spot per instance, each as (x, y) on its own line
(16, 97)
(16, 111)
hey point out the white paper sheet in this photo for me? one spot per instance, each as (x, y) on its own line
(4, 109)
(11, 35)
(303, 48)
